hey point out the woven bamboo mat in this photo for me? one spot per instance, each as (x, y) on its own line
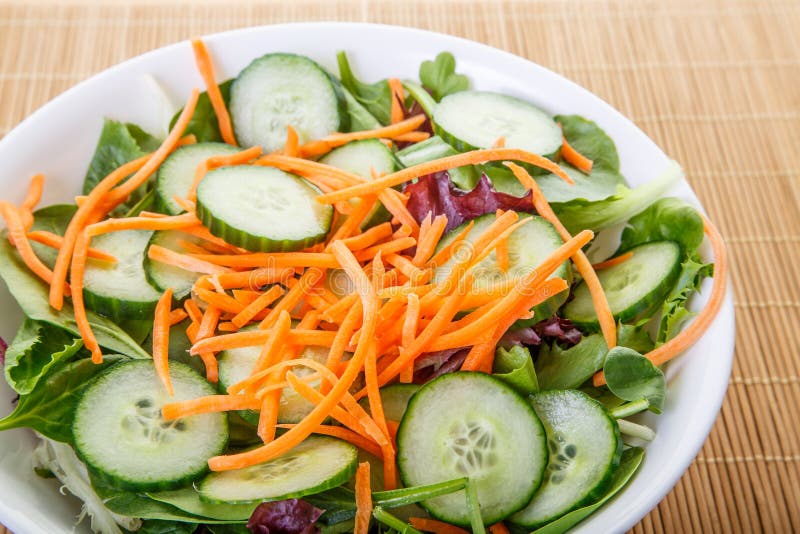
(716, 84)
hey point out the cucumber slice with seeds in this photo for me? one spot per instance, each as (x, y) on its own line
(476, 119)
(163, 276)
(262, 209)
(120, 434)
(528, 246)
(634, 288)
(280, 90)
(585, 448)
(316, 464)
(176, 174)
(473, 425)
(120, 290)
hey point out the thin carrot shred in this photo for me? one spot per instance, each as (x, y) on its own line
(435, 526)
(501, 252)
(270, 351)
(575, 158)
(78, 266)
(161, 325)
(177, 316)
(292, 146)
(498, 528)
(259, 304)
(622, 258)
(32, 198)
(346, 434)
(219, 161)
(363, 499)
(412, 137)
(212, 403)
(206, 68)
(500, 142)
(410, 325)
(56, 241)
(326, 144)
(398, 100)
(689, 335)
(17, 234)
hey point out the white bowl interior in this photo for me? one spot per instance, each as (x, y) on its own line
(59, 139)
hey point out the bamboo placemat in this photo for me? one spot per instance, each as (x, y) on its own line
(716, 84)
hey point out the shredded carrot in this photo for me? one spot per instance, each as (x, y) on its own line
(437, 527)
(501, 252)
(77, 268)
(498, 528)
(689, 335)
(218, 161)
(500, 142)
(606, 318)
(293, 297)
(223, 301)
(252, 338)
(161, 325)
(398, 100)
(410, 325)
(177, 222)
(368, 237)
(292, 146)
(459, 160)
(273, 345)
(412, 137)
(177, 316)
(56, 241)
(185, 203)
(243, 296)
(429, 240)
(250, 311)
(575, 158)
(441, 257)
(212, 403)
(622, 258)
(206, 329)
(363, 499)
(398, 209)
(32, 198)
(345, 434)
(355, 219)
(326, 144)
(16, 233)
(206, 68)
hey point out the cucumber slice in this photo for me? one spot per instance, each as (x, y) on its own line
(471, 424)
(585, 448)
(280, 90)
(316, 464)
(118, 430)
(395, 399)
(163, 276)
(434, 148)
(262, 209)
(361, 157)
(528, 247)
(120, 290)
(476, 119)
(236, 365)
(188, 500)
(176, 175)
(634, 288)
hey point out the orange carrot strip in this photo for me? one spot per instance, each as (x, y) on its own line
(206, 68)
(345, 434)
(398, 100)
(398, 209)
(208, 325)
(177, 316)
(449, 162)
(405, 266)
(500, 142)
(427, 243)
(209, 404)
(142, 223)
(575, 158)
(343, 334)
(437, 527)
(363, 490)
(77, 268)
(271, 260)
(250, 311)
(17, 234)
(309, 169)
(368, 237)
(56, 241)
(689, 335)
(244, 296)
(221, 300)
(270, 351)
(326, 144)
(447, 252)
(34, 194)
(255, 279)
(268, 416)
(185, 203)
(412, 137)
(501, 252)
(219, 161)
(161, 325)
(606, 318)
(252, 338)
(293, 297)
(410, 324)
(292, 146)
(390, 247)
(355, 219)
(498, 528)
(622, 258)
(375, 402)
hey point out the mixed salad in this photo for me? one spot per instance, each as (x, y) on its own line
(325, 305)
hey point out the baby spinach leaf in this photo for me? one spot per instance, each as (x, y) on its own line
(204, 124)
(629, 464)
(32, 295)
(580, 214)
(188, 500)
(666, 219)
(590, 140)
(439, 76)
(52, 219)
(631, 377)
(558, 368)
(119, 143)
(375, 97)
(160, 526)
(634, 336)
(48, 408)
(515, 367)
(360, 118)
(600, 184)
(674, 312)
(37, 348)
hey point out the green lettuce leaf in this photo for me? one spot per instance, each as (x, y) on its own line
(204, 124)
(188, 500)
(161, 526)
(667, 219)
(515, 367)
(36, 349)
(558, 368)
(375, 97)
(440, 77)
(32, 295)
(632, 377)
(119, 143)
(590, 140)
(674, 312)
(360, 118)
(635, 336)
(54, 219)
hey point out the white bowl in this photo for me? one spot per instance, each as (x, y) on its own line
(59, 140)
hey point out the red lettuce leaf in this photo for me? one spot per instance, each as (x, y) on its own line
(435, 364)
(436, 194)
(552, 329)
(292, 516)
(3, 348)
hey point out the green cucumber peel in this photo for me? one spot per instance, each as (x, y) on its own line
(629, 408)
(474, 508)
(406, 496)
(393, 522)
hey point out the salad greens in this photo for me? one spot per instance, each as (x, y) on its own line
(542, 428)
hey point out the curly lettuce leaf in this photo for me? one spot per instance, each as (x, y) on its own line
(440, 78)
(667, 219)
(515, 367)
(674, 312)
(375, 97)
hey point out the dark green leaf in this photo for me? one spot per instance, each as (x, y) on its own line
(36, 349)
(634, 336)
(590, 140)
(667, 219)
(581, 214)
(559, 368)
(631, 377)
(48, 408)
(32, 295)
(599, 185)
(116, 146)
(188, 500)
(228, 528)
(631, 460)
(146, 142)
(160, 526)
(515, 368)
(360, 118)
(203, 123)
(54, 219)
(144, 203)
(375, 97)
(138, 329)
(439, 76)
(674, 312)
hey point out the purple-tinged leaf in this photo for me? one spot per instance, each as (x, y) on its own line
(291, 516)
